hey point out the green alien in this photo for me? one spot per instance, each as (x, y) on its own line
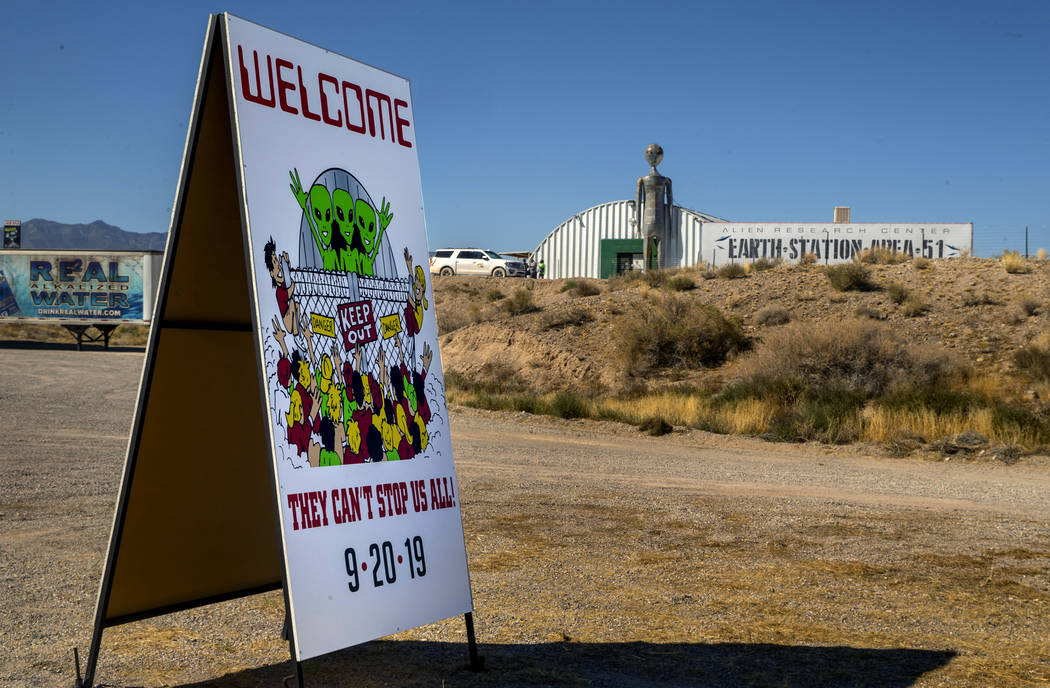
(320, 219)
(369, 235)
(346, 241)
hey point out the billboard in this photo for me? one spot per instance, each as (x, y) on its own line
(12, 234)
(746, 242)
(78, 286)
(354, 392)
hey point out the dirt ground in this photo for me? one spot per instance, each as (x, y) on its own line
(599, 557)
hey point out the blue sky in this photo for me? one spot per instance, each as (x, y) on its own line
(527, 113)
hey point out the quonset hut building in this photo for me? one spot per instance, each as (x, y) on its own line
(603, 241)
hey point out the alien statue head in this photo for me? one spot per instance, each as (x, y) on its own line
(321, 205)
(653, 155)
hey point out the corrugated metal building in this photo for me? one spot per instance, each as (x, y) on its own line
(603, 241)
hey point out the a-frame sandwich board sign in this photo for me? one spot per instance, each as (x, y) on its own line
(292, 428)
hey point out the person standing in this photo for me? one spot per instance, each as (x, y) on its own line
(542, 267)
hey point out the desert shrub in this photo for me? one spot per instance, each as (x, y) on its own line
(654, 278)
(882, 255)
(494, 294)
(1028, 306)
(680, 283)
(817, 381)
(913, 307)
(450, 321)
(1034, 358)
(1014, 263)
(573, 317)
(807, 259)
(669, 330)
(566, 404)
(849, 277)
(709, 274)
(732, 271)
(921, 263)
(569, 284)
(771, 315)
(521, 302)
(857, 356)
(1014, 316)
(492, 378)
(587, 288)
(869, 312)
(898, 293)
(763, 264)
(1041, 254)
(982, 299)
(655, 426)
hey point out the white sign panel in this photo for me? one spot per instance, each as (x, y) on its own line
(369, 504)
(746, 242)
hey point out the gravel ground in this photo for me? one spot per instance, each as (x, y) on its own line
(599, 557)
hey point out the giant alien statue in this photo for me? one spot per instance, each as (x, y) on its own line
(654, 204)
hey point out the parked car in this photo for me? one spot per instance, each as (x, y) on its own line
(474, 261)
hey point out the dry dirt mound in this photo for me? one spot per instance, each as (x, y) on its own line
(971, 306)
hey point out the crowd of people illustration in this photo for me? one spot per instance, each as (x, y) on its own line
(349, 411)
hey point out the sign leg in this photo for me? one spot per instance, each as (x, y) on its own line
(477, 663)
(298, 676)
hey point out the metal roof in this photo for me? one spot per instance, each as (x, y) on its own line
(572, 249)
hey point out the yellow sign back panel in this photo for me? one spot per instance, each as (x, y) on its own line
(197, 521)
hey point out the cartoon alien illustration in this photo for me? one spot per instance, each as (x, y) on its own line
(370, 234)
(319, 216)
(350, 248)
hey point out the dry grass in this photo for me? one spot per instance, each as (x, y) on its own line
(732, 271)
(124, 335)
(1014, 263)
(854, 381)
(882, 255)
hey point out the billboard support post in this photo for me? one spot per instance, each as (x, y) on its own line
(80, 334)
(331, 475)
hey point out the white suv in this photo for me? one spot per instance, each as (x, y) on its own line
(474, 261)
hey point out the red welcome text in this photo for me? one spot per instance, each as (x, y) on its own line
(275, 82)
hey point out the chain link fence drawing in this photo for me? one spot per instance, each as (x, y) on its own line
(321, 293)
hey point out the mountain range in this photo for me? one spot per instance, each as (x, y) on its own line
(46, 234)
